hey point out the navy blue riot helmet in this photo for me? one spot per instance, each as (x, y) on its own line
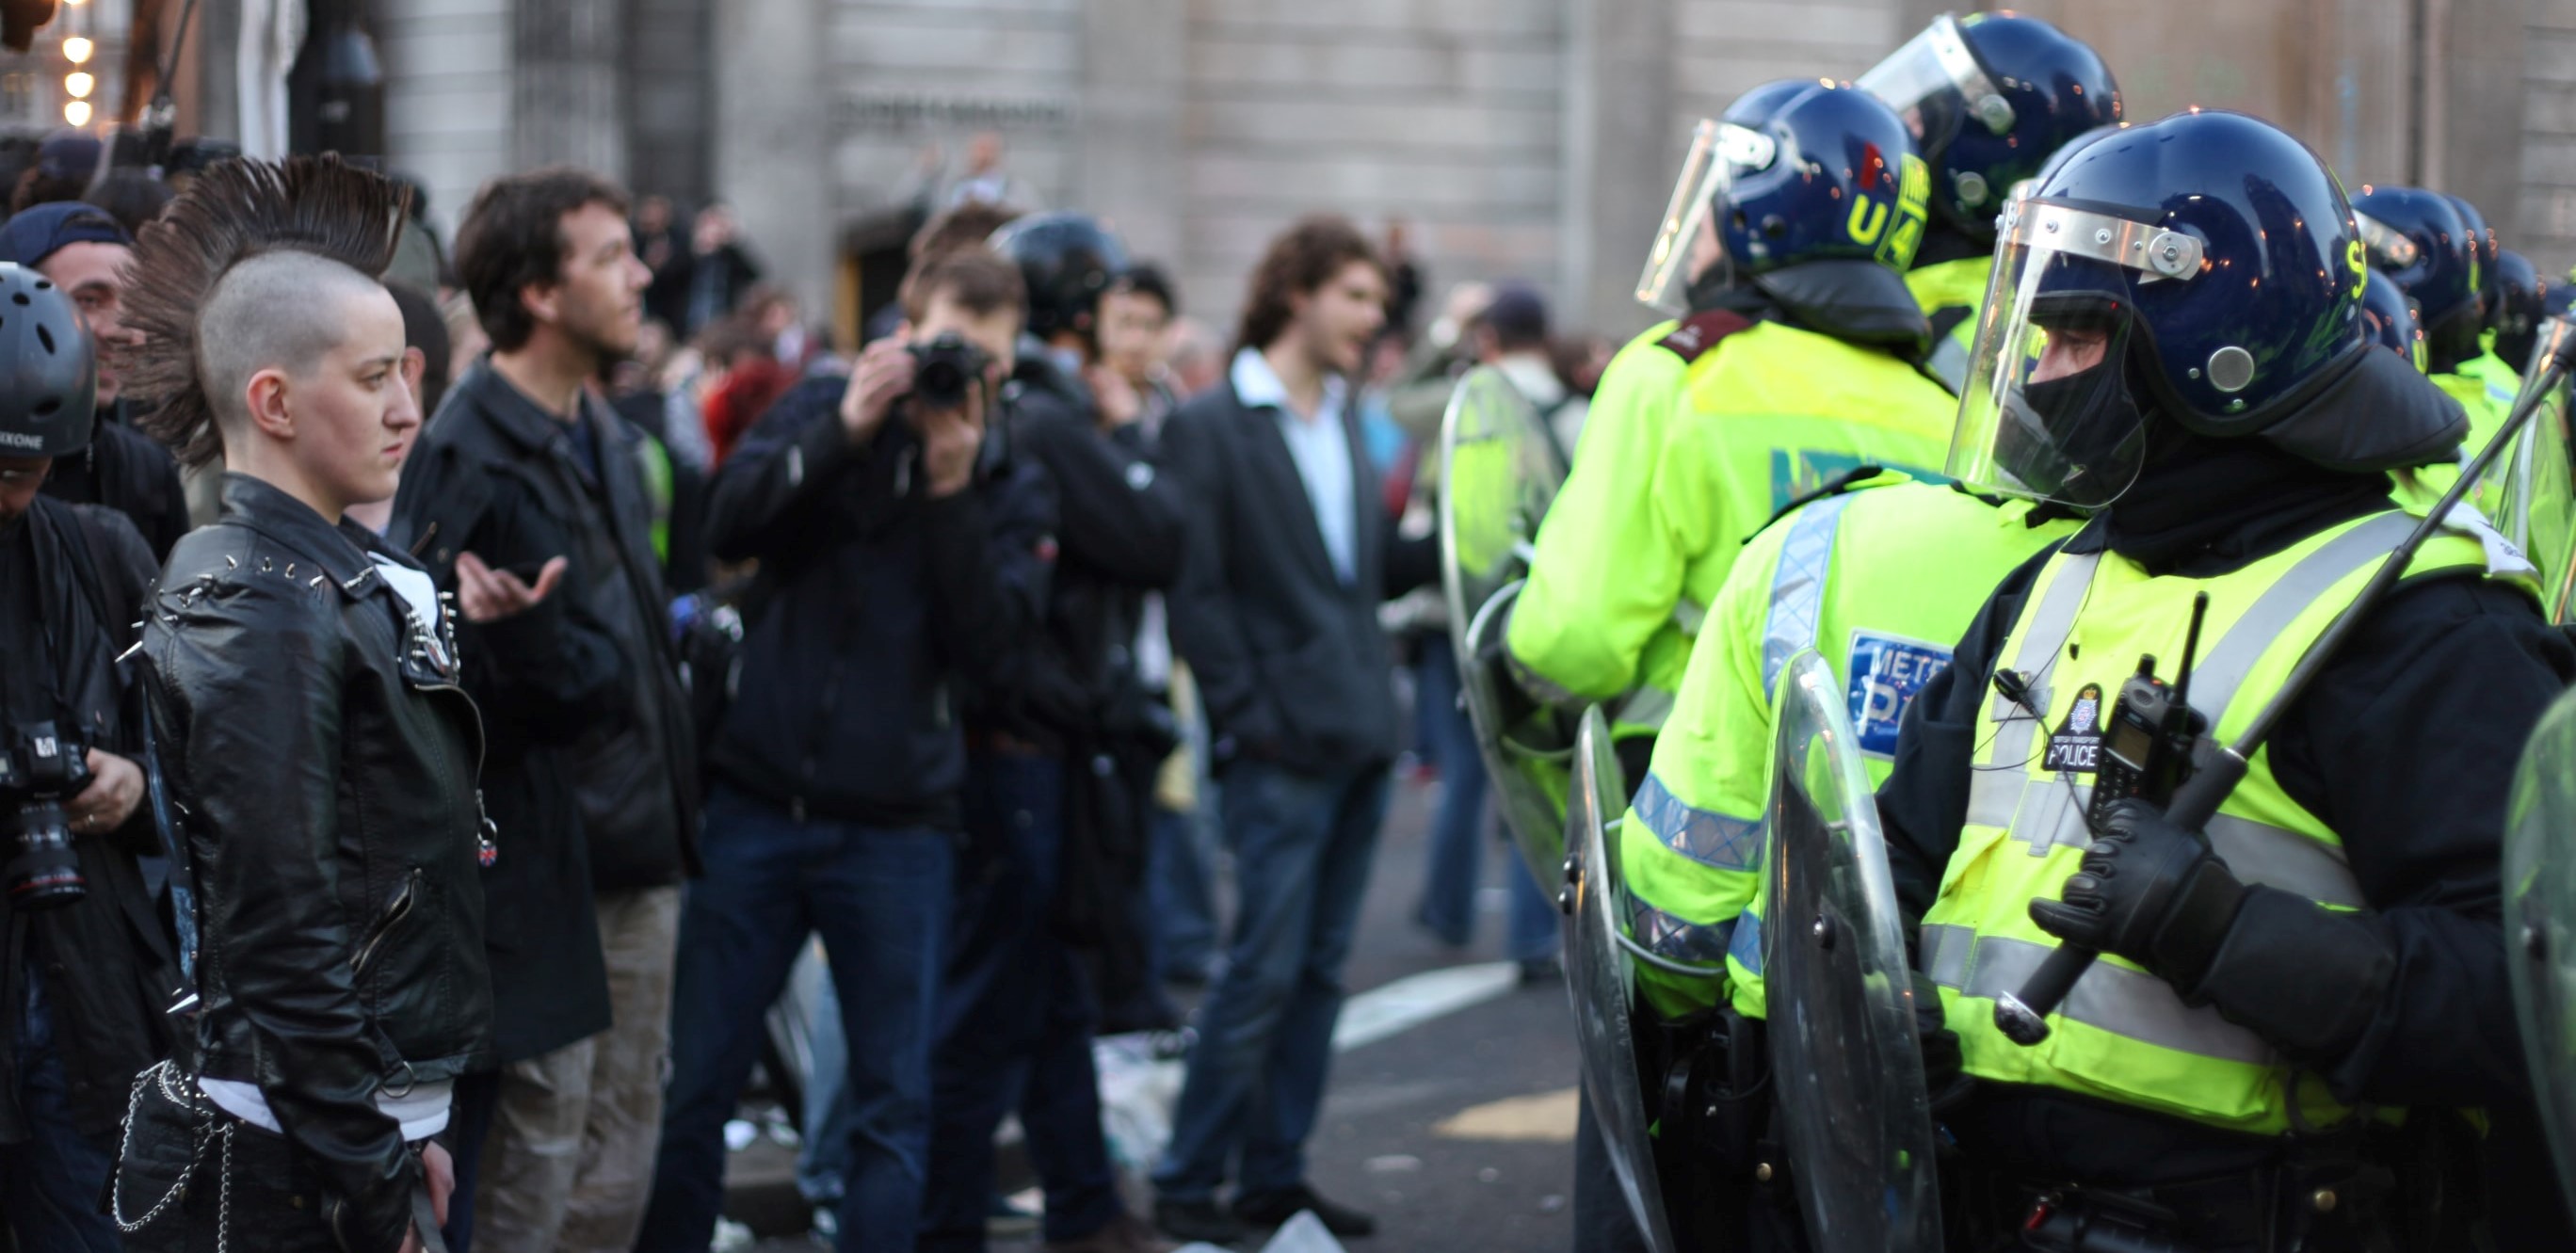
(2204, 270)
(2418, 238)
(2522, 304)
(1067, 260)
(1795, 172)
(2483, 249)
(2388, 319)
(1990, 97)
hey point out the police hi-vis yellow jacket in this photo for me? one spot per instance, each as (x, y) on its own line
(1951, 293)
(1880, 581)
(1647, 526)
(2123, 1034)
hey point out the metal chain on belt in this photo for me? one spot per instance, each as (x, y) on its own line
(164, 1074)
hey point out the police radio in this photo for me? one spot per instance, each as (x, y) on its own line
(2146, 742)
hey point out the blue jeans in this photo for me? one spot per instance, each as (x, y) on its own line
(824, 1161)
(50, 1184)
(879, 897)
(1183, 929)
(1256, 1078)
(1014, 1021)
(1458, 835)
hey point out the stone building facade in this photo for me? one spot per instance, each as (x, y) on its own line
(1528, 138)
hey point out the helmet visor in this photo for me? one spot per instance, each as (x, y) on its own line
(1935, 83)
(1718, 152)
(2048, 412)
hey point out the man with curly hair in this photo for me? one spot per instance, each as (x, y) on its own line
(303, 676)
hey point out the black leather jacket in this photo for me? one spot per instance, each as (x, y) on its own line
(315, 738)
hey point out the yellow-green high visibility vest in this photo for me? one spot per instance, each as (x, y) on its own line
(1880, 581)
(1624, 571)
(2122, 1034)
(1956, 289)
(2475, 390)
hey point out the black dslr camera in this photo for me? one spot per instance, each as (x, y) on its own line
(39, 770)
(944, 369)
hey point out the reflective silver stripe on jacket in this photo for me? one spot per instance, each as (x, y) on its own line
(1798, 586)
(1705, 836)
(2127, 1003)
(1746, 947)
(1667, 936)
(2046, 813)
(1645, 707)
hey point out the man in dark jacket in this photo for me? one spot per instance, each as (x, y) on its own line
(83, 981)
(1289, 556)
(303, 680)
(528, 482)
(1060, 770)
(82, 250)
(837, 772)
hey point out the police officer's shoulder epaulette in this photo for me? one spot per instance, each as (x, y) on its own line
(1696, 334)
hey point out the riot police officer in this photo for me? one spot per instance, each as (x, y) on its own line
(2181, 351)
(1790, 230)
(1990, 98)
(2388, 319)
(2420, 239)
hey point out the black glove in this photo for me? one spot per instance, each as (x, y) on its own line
(1944, 1076)
(2149, 891)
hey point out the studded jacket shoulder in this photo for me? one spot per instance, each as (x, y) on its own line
(324, 763)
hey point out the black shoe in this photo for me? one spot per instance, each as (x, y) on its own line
(1269, 1209)
(1197, 1220)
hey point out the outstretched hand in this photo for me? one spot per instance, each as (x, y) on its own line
(484, 594)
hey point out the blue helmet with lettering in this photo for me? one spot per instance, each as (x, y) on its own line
(2418, 238)
(2205, 270)
(2388, 319)
(1795, 172)
(1990, 98)
(2522, 304)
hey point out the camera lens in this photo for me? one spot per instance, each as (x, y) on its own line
(43, 871)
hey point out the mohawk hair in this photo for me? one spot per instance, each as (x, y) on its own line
(236, 210)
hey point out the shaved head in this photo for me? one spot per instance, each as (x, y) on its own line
(283, 310)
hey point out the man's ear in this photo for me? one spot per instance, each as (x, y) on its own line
(542, 301)
(271, 406)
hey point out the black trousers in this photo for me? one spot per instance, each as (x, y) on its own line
(219, 1185)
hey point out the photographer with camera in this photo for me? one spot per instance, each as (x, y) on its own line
(85, 966)
(836, 799)
(1060, 769)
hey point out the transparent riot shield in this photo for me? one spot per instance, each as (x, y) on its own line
(2540, 924)
(1602, 983)
(1851, 1091)
(1499, 469)
(2537, 509)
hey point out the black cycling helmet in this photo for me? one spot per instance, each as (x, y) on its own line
(48, 368)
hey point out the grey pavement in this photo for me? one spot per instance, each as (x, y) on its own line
(1455, 1133)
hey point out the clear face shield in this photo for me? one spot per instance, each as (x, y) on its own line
(1686, 245)
(1936, 85)
(2048, 412)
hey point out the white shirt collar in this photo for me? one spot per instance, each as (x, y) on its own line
(1258, 386)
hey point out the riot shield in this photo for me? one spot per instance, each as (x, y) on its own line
(1603, 984)
(2537, 510)
(1851, 1090)
(2540, 924)
(1499, 468)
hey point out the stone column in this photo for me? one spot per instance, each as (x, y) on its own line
(568, 85)
(1617, 88)
(772, 138)
(1128, 140)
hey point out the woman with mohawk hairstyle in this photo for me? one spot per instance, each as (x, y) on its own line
(304, 679)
